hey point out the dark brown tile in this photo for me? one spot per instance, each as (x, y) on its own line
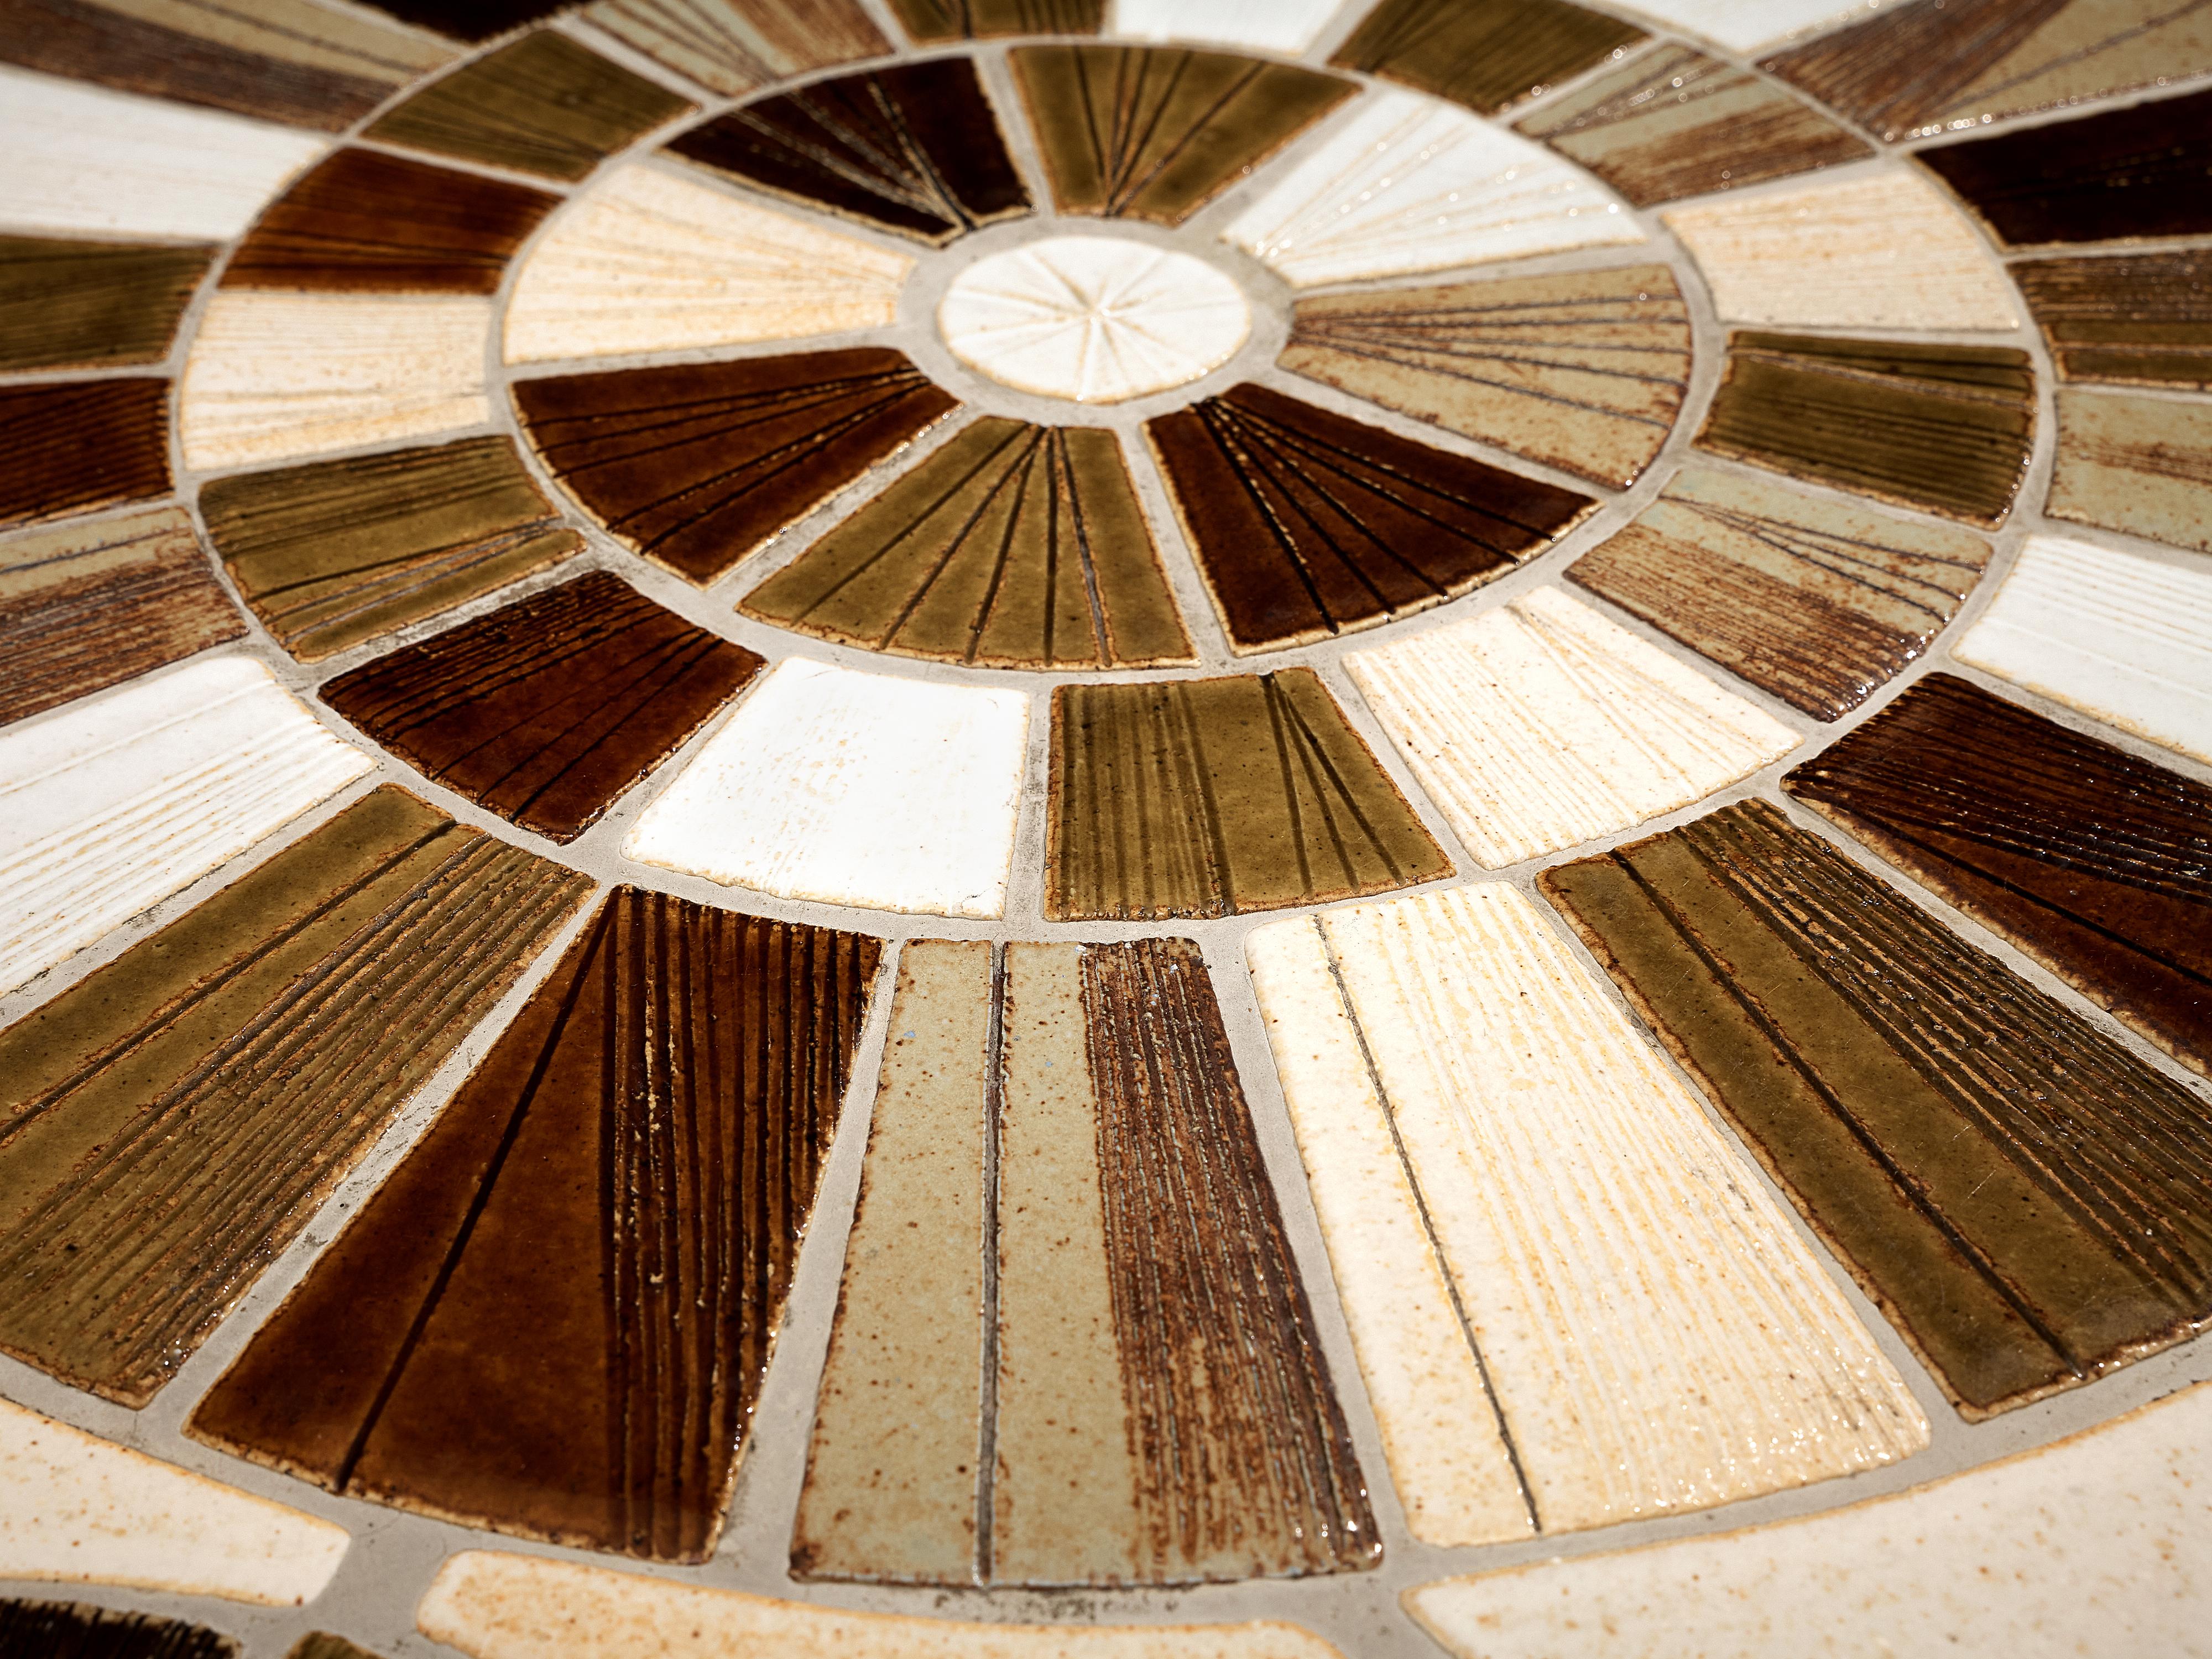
(929, 22)
(189, 1105)
(554, 1318)
(71, 1630)
(2025, 1200)
(470, 20)
(91, 305)
(2144, 319)
(1307, 524)
(733, 46)
(1485, 54)
(80, 445)
(1156, 132)
(1946, 428)
(915, 150)
(321, 1644)
(695, 466)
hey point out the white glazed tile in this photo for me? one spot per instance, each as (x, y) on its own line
(114, 802)
(1887, 252)
(77, 1510)
(2125, 639)
(1405, 184)
(1540, 724)
(853, 788)
(2100, 1544)
(83, 159)
(1095, 318)
(273, 376)
(1746, 25)
(1655, 1335)
(651, 262)
(1283, 26)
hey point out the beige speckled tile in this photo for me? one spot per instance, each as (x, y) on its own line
(2137, 463)
(1746, 25)
(1283, 26)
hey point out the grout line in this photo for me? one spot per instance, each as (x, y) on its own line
(987, 1419)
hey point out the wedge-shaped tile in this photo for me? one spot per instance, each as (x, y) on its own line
(1485, 54)
(2135, 463)
(73, 445)
(1211, 798)
(78, 1510)
(2143, 319)
(651, 262)
(1539, 725)
(1308, 524)
(109, 806)
(1402, 184)
(1817, 602)
(1285, 25)
(1743, 26)
(853, 788)
(2124, 639)
(926, 22)
(2026, 1199)
(1946, 428)
(445, 1354)
(1584, 371)
(732, 46)
(74, 1628)
(696, 465)
(91, 305)
(1013, 545)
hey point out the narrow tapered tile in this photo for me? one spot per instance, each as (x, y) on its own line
(1307, 524)
(71, 446)
(2144, 319)
(1013, 545)
(336, 553)
(1213, 798)
(444, 1355)
(1285, 25)
(73, 1629)
(697, 465)
(1817, 602)
(926, 22)
(91, 305)
(2025, 1199)
(1584, 371)
(2134, 463)
(1485, 54)
(732, 46)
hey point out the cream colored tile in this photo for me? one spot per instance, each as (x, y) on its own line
(1746, 25)
(1283, 26)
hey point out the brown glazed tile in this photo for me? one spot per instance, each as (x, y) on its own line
(2121, 176)
(929, 22)
(1815, 602)
(1307, 524)
(1156, 132)
(2095, 863)
(470, 20)
(1485, 54)
(915, 150)
(2025, 1200)
(1946, 428)
(95, 602)
(334, 553)
(2142, 320)
(1675, 122)
(72, 1629)
(362, 222)
(1013, 546)
(733, 47)
(190, 1104)
(91, 305)
(656, 1117)
(2137, 463)
(321, 1644)
(1213, 797)
(1584, 371)
(696, 465)
(80, 445)
(547, 710)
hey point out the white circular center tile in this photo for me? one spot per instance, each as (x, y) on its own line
(1094, 318)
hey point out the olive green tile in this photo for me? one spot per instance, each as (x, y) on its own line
(90, 304)
(2135, 463)
(2130, 319)
(1485, 54)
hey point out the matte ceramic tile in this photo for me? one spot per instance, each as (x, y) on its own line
(96, 601)
(853, 789)
(548, 710)
(91, 305)
(1285, 25)
(1673, 122)
(82, 1510)
(2088, 859)
(2023, 1198)
(1013, 545)
(2141, 320)
(929, 22)
(1996, 1561)
(732, 46)
(1403, 184)
(275, 376)
(1485, 54)
(1471, 1108)
(1944, 428)
(111, 805)
(2124, 639)
(519, 1606)
(1885, 251)
(71, 446)
(444, 1355)
(81, 159)
(73, 1627)
(651, 262)
(1539, 725)
(335, 553)
(1744, 25)
(1817, 602)
(195, 1101)
(2135, 463)
(1307, 524)
(697, 465)
(916, 149)
(1584, 371)
(1094, 318)
(1218, 797)
(1156, 132)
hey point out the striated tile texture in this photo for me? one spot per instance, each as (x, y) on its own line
(91, 305)
(1485, 54)
(732, 46)
(71, 446)
(2137, 463)
(929, 22)
(1285, 25)
(1744, 25)
(74, 1628)
(2141, 320)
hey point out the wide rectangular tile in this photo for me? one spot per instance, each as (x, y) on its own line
(2134, 463)
(91, 305)
(75, 446)
(732, 46)
(2126, 320)
(1485, 54)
